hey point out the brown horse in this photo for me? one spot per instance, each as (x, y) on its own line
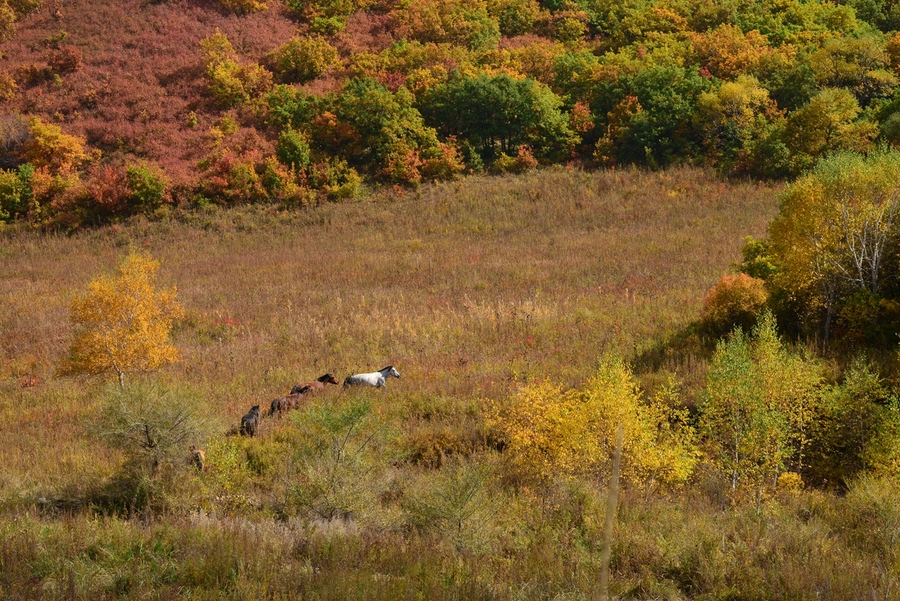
(317, 385)
(283, 404)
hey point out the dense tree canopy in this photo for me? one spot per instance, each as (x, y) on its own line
(432, 88)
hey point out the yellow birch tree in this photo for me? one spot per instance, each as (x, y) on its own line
(123, 323)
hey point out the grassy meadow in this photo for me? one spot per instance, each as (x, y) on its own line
(470, 288)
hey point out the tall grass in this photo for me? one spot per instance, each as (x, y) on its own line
(469, 288)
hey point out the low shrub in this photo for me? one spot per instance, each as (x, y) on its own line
(303, 59)
(735, 301)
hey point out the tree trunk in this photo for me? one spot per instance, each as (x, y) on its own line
(610, 518)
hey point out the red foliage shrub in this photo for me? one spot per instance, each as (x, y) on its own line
(392, 80)
(403, 167)
(233, 179)
(65, 59)
(107, 191)
(580, 118)
(331, 134)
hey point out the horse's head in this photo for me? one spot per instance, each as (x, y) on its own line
(392, 371)
(328, 379)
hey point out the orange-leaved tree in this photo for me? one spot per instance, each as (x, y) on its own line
(123, 323)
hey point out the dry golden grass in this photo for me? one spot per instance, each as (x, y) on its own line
(468, 288)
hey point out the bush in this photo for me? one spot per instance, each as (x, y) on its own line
(7, 22)
(8, 86)
(146, 185)
(230, 82)
(244, 6)
(303, 59)
(15, 191)
(736, 301)
(106, 193)
(340, 473)
(550, 433)
(336, 178)
(457, 503)
(49, 147)
(286, 185)
(15, 134)
(293, 149)
(325, 16)
(446, 165)
(233, 179)
(522, 162)
(65, 59)
(153, 425)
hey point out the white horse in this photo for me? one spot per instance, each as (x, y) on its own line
(376, 378)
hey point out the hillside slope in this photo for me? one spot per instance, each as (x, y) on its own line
(141, 73)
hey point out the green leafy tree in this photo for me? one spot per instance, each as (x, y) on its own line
(658, 130)
(857, 429)
(827, 124)
(515, 17)
(292, 107)
(498, 114)
(461, 22)
(858, 64)
(732, 119)
(293, 149)
(759, 404)
(387, 128)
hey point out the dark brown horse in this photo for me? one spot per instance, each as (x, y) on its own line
(283, 404)
(250, 422)
(317, 385)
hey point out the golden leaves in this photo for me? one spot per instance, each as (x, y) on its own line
(123, 322)
(551, 432)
